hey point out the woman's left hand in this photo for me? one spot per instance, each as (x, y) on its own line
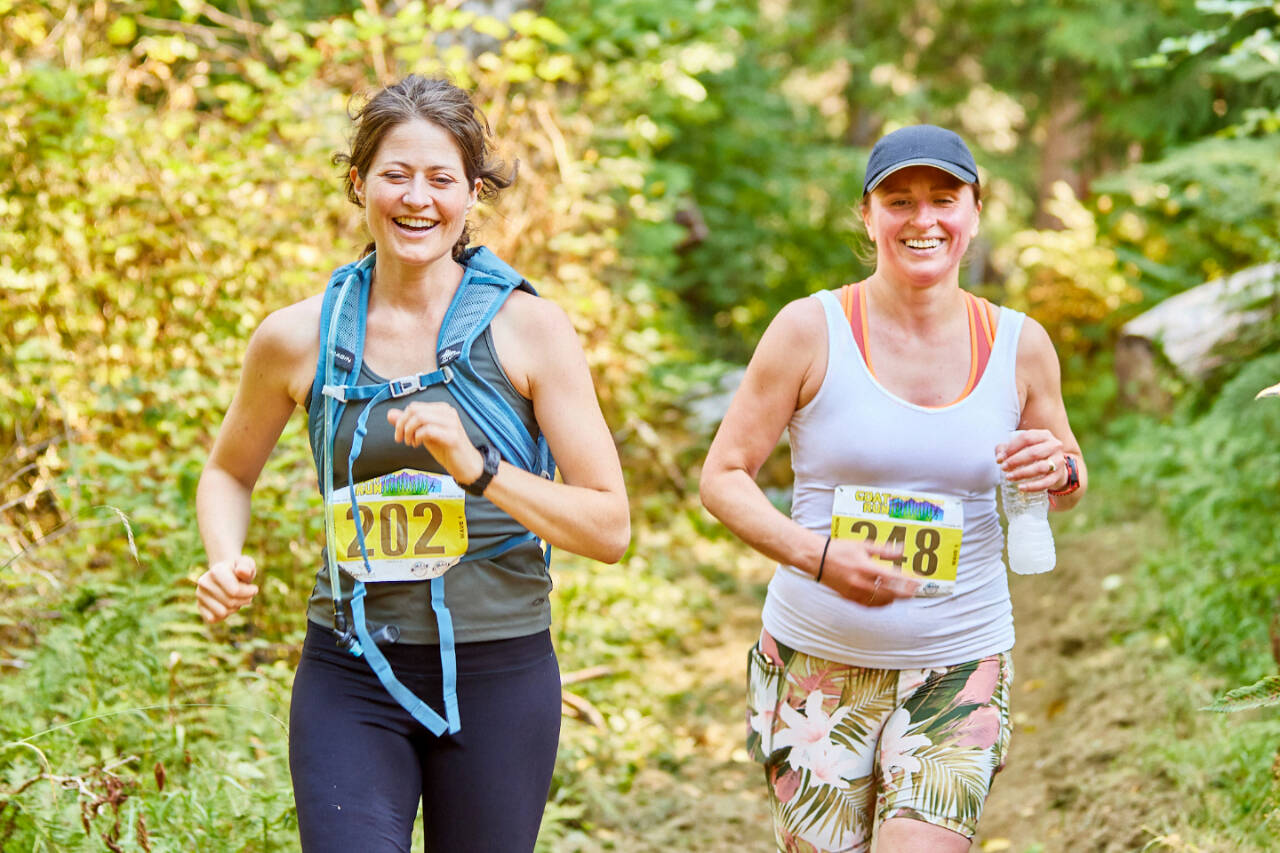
(1033, 459)
(437, 427)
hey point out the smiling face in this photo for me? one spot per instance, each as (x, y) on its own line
(921, 220)
(416, 194)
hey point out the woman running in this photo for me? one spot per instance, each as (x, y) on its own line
(427, 673)
(879, 688)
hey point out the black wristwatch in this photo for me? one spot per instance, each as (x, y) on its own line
(1073, 478)
(491, 459)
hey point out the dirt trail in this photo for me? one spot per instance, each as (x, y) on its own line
(1078, 707)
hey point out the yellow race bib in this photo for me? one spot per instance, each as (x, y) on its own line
(928, 528)
(415, 527)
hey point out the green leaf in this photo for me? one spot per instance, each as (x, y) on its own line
(1265, 693)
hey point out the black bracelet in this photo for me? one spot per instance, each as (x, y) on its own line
(823, 561)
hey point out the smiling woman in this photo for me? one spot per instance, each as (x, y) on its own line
(417, 195)
(430, 610)
(879, 687)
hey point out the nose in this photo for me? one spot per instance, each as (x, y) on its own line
(924, 215)
(416, 193)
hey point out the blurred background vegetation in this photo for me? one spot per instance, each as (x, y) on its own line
(686, 168)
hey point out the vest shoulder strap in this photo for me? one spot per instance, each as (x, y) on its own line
(342, 313)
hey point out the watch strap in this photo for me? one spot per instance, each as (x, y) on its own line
(491, 460)
(1073, 478)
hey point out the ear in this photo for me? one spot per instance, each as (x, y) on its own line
(475, 193)
(357, 182)
(977, 222)
(864, 210)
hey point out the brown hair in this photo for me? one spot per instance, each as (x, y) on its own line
(442, 104)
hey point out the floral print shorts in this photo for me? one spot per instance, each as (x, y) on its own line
(846, 748)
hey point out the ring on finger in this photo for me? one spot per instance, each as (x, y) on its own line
(1053, 466)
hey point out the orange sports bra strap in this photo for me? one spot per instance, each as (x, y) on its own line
(853, 299)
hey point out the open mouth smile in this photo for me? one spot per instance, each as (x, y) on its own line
(928, 243)
(415, 224)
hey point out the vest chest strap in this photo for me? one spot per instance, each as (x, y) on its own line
(401, 387)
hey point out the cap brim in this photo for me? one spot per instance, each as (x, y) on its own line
(953, 169)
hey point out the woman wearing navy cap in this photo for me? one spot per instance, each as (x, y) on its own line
(879, 689)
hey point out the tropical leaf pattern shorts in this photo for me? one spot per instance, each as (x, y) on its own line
(846, 748)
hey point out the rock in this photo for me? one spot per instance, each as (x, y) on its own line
(1186, 332)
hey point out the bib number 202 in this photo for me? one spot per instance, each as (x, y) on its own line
(394, 530)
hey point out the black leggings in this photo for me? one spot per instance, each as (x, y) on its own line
(361, 764)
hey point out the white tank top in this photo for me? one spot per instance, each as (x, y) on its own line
(855, 432)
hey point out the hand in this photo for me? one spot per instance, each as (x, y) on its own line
(225, 588)
(1033, 460)
(852, 570)
(436, 427)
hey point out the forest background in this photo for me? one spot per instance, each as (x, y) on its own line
(686, 168)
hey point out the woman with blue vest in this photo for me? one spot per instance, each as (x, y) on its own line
(438, 387)
(878, 691)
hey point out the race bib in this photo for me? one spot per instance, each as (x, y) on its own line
(927, 527)
(415, 527)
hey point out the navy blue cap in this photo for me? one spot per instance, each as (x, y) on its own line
(919, 145)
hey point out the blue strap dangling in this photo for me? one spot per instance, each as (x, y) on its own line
(419, 710)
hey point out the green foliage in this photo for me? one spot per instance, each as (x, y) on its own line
(168, 183)
(1204, 211)
(1216, 477)
(1262, 693)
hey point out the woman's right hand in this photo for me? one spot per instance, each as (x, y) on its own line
(225, 588)
(853, 570)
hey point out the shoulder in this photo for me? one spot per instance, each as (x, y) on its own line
(534, 313)
(1035, 347)
(536, 343)
(796, 336)
(801, 319)
(285, 347)
(533, 325)
(791, 358)
(291, 331)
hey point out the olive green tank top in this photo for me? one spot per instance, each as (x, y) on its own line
(493, 599)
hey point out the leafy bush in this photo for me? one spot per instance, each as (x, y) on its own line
(1217, 479)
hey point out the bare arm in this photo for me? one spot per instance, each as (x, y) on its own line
(269, 383)
(587, 513)
(1035, 458)
(785, 373)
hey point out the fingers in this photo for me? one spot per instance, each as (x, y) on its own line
(426, 425)
(244, 568)
(1033, 459)
(883, 587)
(225, 588)
(888, 553)
(856, 573)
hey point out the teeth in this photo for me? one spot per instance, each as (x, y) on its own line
(931, 243)
(414, 222)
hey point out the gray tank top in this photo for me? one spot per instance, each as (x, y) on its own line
(489, 599)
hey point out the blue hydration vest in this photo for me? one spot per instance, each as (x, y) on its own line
(486, 284)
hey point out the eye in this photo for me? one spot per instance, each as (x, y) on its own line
(443, 180)
(394, 176)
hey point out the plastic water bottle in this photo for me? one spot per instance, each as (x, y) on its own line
(1029, 537)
